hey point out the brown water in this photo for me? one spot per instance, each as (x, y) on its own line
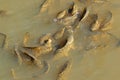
(23, 16)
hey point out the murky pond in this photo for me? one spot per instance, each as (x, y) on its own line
(59, 39)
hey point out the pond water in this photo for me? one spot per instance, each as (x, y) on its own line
(19, 17)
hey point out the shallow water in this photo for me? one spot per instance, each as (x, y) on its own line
(24, 16)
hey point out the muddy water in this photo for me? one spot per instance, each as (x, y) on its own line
(24, 16)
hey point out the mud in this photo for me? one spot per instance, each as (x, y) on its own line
(43, 36)
(2, 40)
